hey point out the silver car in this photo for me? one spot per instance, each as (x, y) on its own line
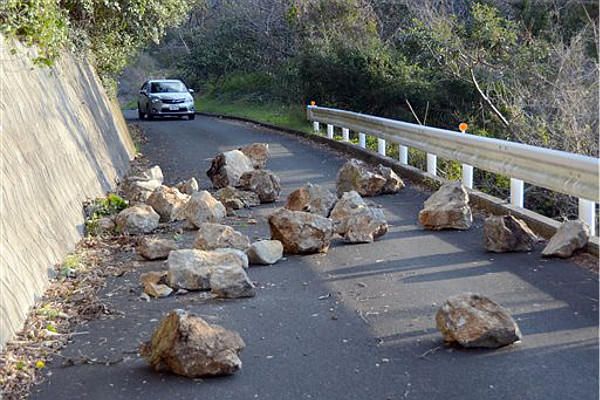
(165, 97)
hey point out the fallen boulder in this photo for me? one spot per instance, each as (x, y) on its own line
(361, 177)
(393, 183)
(472, 320)
(154, 284)
(191, 269)
(227, 168)
(231, 281)
(355, 221)
(137, 188)
(311, 198)
(203, 207)
(155, 248)
(265, 252)
(570, 237)
(448, 208)
(301, 232)
(258, 153)
(188, 187)
(507, 234)
(137, 219)
(241, 255)
(167, 202)
(213, 236)
(262, 182)
(187, 345)
(234, 199)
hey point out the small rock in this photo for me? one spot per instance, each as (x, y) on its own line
(213, 236)
(262, 182)
(265, 252)
(234, 199)
(137, 188)
(506, 234)
(448, 208)
(258, 153)
(227, 168)
(355, 221)
(570, 236)
(473, 320)
(203, 207)
(311, 198)
(154, 284)
(137, 219)
(231, 281)
(155, 249)
(187, 345)
(301, 232)
(104, 226)
(188, 187)
(167, 202)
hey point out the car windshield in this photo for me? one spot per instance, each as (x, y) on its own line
(167, 87)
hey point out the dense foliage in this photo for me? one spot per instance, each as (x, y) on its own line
(113, 30)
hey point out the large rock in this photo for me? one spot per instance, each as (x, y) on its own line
(472, 320)
(188, 187)
(191, 269)
(167, 202)
(231, 281)
(262, 182)
(311, 198)
(187, 345)
(137, 188)
(570, 236)
(234, 199)
(137, 219)
(241, 255)
(506, 233)
(203, 207)
(301, 232)
(265, 252)
(393, 183)
(258, 153)
(155, 248)
(355, 221)
(227, 168)
(213, 236)
(448, 208)
(361, 177)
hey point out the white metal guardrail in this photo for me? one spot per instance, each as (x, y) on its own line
(563, 172)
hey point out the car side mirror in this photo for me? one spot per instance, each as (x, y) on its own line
(144, 92)
(191, 90)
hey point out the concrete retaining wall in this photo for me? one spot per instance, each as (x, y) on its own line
(61, 141)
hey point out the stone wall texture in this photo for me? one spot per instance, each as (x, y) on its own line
(62, 141)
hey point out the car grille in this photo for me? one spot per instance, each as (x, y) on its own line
(172, 101)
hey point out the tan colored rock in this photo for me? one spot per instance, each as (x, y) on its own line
(301, 232)
(187, 345)
(227, 168)
(203, 207)
(154, 284)
(104, 226)
(213, 236)
(167, 202)
(191, 269)
(265, 252)
(448, 208)
(472, 320)
(137, 219)
(355, 221)
(393, 183)
(506, 234)
(311, 198)
(154, 248)
(241, 255)
(361, 177)
(570, 237)
(258, 153)
(234, 199)
(137, 188)
(188, 187)
(262, 182)
(230, 282)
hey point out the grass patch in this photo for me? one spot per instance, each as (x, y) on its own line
(287, 116)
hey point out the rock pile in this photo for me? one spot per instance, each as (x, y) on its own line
(448, 208)
(506, 234)
(355, 221)
(366, 180)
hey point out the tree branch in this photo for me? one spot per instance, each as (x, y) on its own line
(487, 99)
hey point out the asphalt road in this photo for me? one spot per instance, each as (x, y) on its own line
(356, 323)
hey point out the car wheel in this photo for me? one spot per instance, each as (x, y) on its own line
(192, 116)
(140, 113)
(149, 114)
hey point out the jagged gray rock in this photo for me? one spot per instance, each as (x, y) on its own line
(154, 248)
(167, 202)
(137, 188)
(203, 207)
(448, 208)
(234, 199)
(188, 187)
(393, 183)
(311, 198)
(301, 232)
(231, 281)
(213, 236)
(227, 168)
(262, 182)
(258, 153)
(137, 219)
(355, 221)
(506, 234)
(265, 252)
(361, 177)
(570, 237)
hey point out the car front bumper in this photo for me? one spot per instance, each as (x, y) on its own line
(172, 109)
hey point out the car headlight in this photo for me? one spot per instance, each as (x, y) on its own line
(155, 99)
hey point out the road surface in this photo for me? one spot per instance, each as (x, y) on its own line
(356, 323)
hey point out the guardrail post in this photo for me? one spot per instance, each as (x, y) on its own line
(381, 146)
(362, 140)
(345, 134)
(329, 131)
(403, 155)
(587, 213)
(516, 192)
(432, 164)
(467, 175)
(316, 127)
